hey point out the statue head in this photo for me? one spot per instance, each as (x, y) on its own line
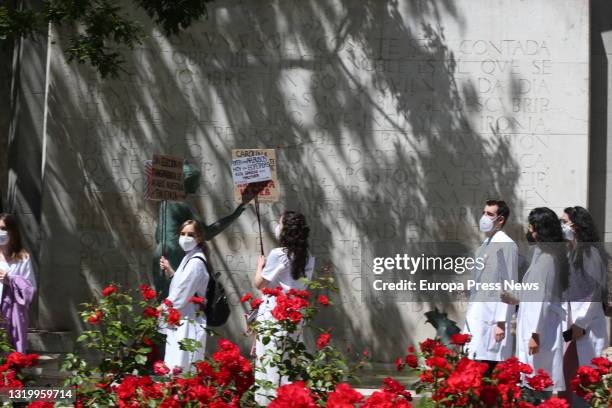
(191, 178)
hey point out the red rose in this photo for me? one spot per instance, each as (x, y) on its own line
(293, 395)
(177, 370)
(168, 303)
(603, 364)
(343, 396)
(554, 402)
(460, 339)
(174, 317)
(428, 345)
(150, 312)
(196, 300)
(427, 376)
(438, 363)
(540, 381)
(366, 353)
(41, 404)
(147, 292)
(160, 368)
(410, 349)
(272, 292)
(412, 361)
(399, 364)
(255, 303)
(323, 300)
(246, 297)
(95, 318)
(467, 375)
(20, 360)
(323, 340)
(441, 351)
(110, 289)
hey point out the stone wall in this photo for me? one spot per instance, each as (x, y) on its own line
(391, 120)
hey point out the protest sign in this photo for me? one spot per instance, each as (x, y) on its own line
(165, 179)
(270, 194)
(251, 169)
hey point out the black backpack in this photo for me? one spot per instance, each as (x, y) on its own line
(216, 309)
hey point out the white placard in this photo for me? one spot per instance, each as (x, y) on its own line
(251, 169)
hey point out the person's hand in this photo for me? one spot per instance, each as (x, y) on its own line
(499, 331)
(534, 344)
(3, 273)
(261, 262)
(508, 298)
(252, 189)
(164, 264)
(577, 332)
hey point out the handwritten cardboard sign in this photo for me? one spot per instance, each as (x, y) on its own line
(251, 169)
(270, 194)
(165, 179)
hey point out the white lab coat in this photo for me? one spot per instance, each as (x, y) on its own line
(542, 312)
(19, 267)
(190, 279)
(500, 255)
(585, 294)
(277, 272)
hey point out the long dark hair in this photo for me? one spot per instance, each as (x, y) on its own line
(294, 239)
(549, 236)
(586, 233)
(15, 250)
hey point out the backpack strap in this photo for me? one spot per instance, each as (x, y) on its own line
(201, 259)
(211, 278)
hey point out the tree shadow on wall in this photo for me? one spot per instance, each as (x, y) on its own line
(375, 136)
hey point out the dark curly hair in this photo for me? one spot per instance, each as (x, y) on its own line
(549, 236)
(586, 233)
(294, 240)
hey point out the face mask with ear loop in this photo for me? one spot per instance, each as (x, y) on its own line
(187, 243)
(486, 223)
(568, 232)
(4, 237)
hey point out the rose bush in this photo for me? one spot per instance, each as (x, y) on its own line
(594, 384)
(122, 333)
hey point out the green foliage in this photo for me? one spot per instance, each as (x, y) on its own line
(121, 336)
(100, 29)
(322, 369)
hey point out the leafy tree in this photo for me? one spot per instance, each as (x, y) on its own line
(99, 29)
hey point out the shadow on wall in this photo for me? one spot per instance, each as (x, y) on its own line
(367, 151)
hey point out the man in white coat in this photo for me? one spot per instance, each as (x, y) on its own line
(488, 318)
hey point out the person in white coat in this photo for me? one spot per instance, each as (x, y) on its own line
(188, 281)
(539, 339)
(284, 268)
(488, 319)
(587, 290)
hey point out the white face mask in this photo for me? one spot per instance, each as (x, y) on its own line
(486, 223)
(4, 237)
(568, 232)
(277, 231)
(187, 243)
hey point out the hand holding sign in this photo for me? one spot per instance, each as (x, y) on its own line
(252, 190)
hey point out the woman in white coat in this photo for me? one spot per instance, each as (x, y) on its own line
(587, 290)
(539, 340)
(284, 267)
(189, 280)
